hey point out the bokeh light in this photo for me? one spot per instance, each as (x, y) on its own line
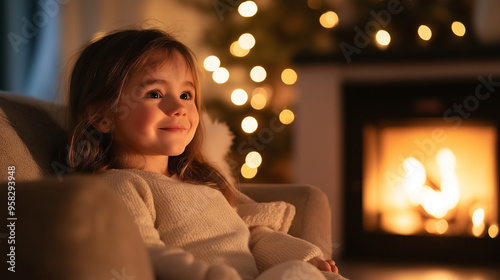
(424, 32)
(247, 9)
(248, 172)
(211, 63)
(258, 74)
(239, 97)
(253, 159)
(258, 101)
(237, 50)
(246, 41)
(249, 124)
(329, 19)
(289, 76)
(286, 116)
(458, 28)
(220, 75)
(383, 37)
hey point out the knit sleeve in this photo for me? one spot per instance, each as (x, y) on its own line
(168, 262)
(276, 215)
(270, 248)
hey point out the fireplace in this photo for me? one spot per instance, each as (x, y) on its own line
(421, 167)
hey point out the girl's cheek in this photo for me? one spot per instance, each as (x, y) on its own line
(141, 119)
(195, 119)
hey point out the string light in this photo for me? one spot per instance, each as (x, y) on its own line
(424, 32)
(286, 116)
(248, 172)
(247, 9)
(265, 90)
(458, 28)
(383, 38)
(246, 41)
(220, 75)
(258, 101)
(258, 74)
(249, 124)
(329, 19)
(211, 63)
(239, 97)
(289, 76)
(237, 50)
(253, 159)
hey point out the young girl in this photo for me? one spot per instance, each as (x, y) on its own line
(134, 107)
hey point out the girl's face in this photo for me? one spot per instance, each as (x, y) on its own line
(157, 115)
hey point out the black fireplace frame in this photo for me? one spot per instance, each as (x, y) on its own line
(365, 103)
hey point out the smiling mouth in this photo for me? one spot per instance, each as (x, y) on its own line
(173, 129)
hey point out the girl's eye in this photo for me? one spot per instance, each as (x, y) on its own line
(186, 95)
(153, 94)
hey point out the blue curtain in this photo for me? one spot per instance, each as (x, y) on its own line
(30, 49)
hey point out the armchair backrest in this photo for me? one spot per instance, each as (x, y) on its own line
(30, 138)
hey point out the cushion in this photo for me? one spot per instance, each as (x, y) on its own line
(29, 139)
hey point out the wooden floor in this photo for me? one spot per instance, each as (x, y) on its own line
(363, 270)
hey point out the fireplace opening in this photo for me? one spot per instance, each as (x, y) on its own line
(421, 172)
(422, 177)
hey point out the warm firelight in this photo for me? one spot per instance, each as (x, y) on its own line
(435, 202)
(493, 231)
(420, 179)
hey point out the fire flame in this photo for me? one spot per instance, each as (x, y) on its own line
(435, 202)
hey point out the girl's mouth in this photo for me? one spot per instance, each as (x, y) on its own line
(173, 129)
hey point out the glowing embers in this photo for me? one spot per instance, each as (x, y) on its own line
(422, 177)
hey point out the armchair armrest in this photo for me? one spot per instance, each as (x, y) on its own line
(75, 229)
(312, 220)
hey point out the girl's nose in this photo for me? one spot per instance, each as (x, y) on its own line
(174, 107)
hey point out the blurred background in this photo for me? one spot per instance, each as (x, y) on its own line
(299, 82)
(249, 51)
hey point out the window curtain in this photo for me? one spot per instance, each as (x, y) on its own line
(30, 49)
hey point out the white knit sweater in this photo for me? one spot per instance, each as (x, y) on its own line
(192, 232)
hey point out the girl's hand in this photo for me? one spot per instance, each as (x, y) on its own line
(323, 265)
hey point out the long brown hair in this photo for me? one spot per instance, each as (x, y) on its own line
(97, 81)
